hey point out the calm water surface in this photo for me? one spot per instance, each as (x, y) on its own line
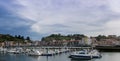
(111, 56)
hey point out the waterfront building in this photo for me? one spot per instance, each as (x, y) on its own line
(2, 44)
(112, 36)
(86, 41)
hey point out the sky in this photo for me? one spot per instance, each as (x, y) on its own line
(40, 18)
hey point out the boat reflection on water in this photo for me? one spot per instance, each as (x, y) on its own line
(41, 58)
(2, 60)
(79, 60)
(36, 57)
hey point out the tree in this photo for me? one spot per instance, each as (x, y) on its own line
(42, 39)
(99, 37)
(22, 37)
(27, 38)
(19, 36)
(15, 36)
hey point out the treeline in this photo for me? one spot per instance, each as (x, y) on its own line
(102, 37)
(63, 37)
(16, 38)
(77, 37)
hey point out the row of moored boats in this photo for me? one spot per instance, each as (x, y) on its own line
(84, 54)
(34, 52)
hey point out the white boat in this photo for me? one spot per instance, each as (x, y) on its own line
(82, 55)
(48, 53)
(3, 50)
(34, 53)
(95, 54)
(14, 51)
(11, 51)
(57, 51)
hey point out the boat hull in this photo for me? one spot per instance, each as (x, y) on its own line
(47, 54)
(97, 56)
(80, 57)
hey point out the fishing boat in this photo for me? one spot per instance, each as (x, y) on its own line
(82, 55)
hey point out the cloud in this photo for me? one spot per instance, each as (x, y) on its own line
(113, 27)
(74, 16)
(89, 17)
(114, 5)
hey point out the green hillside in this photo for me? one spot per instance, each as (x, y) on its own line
(16, 38)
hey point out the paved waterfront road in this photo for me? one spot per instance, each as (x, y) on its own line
(114, 56)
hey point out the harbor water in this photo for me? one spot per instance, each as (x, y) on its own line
(106, 56)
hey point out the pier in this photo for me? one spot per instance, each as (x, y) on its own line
(61, 47)
(108, 48)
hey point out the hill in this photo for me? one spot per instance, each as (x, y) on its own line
(16, 38)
